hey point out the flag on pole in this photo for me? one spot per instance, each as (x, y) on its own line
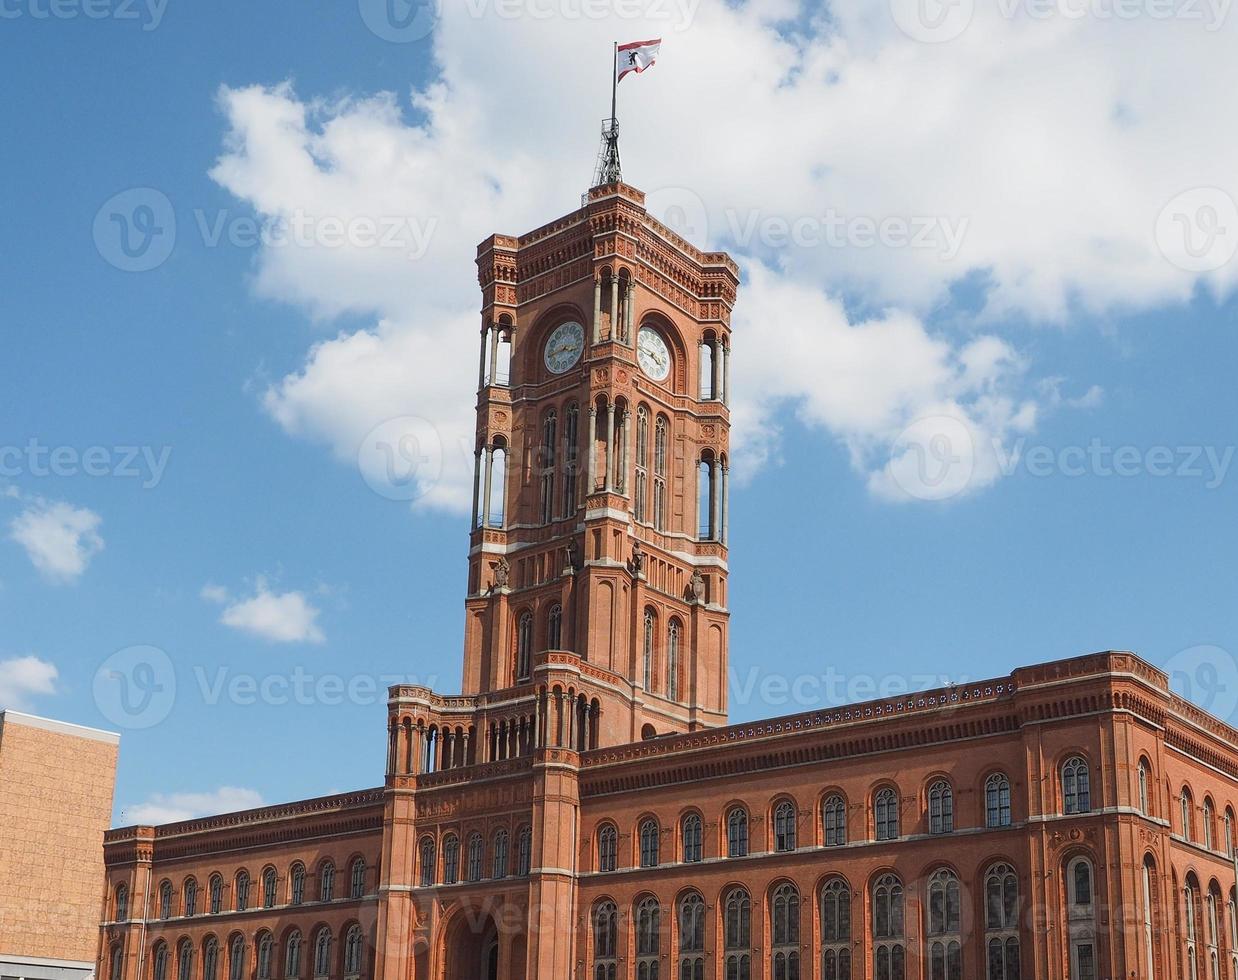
(636, 56)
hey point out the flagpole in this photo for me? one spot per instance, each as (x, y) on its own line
(614, 80)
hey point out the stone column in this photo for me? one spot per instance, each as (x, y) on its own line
(614, 307)
(494, 355)
(629, 315)
(476, 486)
(593, 449)
(597, 309)
(715, 500)
(627, 437)
(488, 462)
(726, 375)
(481, 360)
(726, 503)
(612, 430)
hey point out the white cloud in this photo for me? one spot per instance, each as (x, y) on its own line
(280, 617)
(162, 808)
(60, 540)
(214, 593)
(22, 678)
(1036, 154)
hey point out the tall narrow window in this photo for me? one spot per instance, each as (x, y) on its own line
(941, 808)
(836, 930)
(1185, 806)
(1144, 779)
(889, 954)
(1081, 919)
(116, 963)
(217, 894)
(270, 886)
(326, 883)
(737, 832)
(692, 937)
(322, 953)
(1149, 919)
(834, 820)
(165, 900)
(1212, 904)
(356, 885)
(554, 628)
(122, 903)
(1001, 922)
(160, 969)
(785, 933)
(298, 883)
(210, 959)
(1076, 786)
(1190, 913)
(427, 862)
(737, 935)
(692, 838)
(242, 891)
(266, 952)
(549, 428)
(184, 960)
(292, 956)
(190, 898)
(997, 800)
(660, 452)
(524, 646)
(640, 497)
(571, 457)
(499, 864)
(885, 806)
(524, 851)
(1229, 837)
(945, 949)
(784, 826)
(649, 856)
(648, 939)
(236, 959)
(451, 860)
(607, 848)
(651, 623)
(474, 858)
(672, 660)
(1209, 818)
(605, 941)
(352, 952)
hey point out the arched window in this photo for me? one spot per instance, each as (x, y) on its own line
(691, 838)
(649, 857)
(834, 819)
(737, 832)
(524, 646)
(474, 858)
(641, 494)
(1001, 922)
(356, 882)
(941, 808)
(785, 931)
(737, 935)
(651, 622)
(122, 903)
(210, 959)
(1149, 919)
(571, 457)
(1185, 808)
(554, 628)
(660, 438)
(184, 960)
(607, 848)
(165, 900)
(159, 969)
(236, 959)
(549, 427)
(885, 807)
(605, 940)
(1145, 777)
(836, 930)
(1212, 905)
(524, 851)
(692, 937)
(499, 864)
(672, 660)
(292, 956)
(1081, 918)
(451, 859)
(352, 951)
(217, 894)
(427, 862)
(266, 952)
(1209, 818)
(322, 953)
(1190, 915)
(1076, 786)
(242, 891)
(190, 898)
(116, 962)
(1229, 836)
(648, 939)
(298, 884)
(997, 800)
(326, 883)
(784, 826)
(944, 943)
(889, 954)
(270, 888)
(1232, 909)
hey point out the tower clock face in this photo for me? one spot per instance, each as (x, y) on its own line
(564, 346)
(655, 359)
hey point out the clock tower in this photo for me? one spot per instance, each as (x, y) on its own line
(597, 579)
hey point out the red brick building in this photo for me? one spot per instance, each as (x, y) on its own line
(582, 809)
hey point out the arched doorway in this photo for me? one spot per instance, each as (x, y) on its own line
(470, 947)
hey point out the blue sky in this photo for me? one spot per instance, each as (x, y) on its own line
(1064, 328)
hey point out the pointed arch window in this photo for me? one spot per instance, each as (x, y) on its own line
(885, 807)
(661, 436)
(945, 948)
(292, 956)
(605, 940)
(737, 832)
(190, 898)
(184, 960)
(1209, 819)
(270, 888)
(784, 826)
(648, 939)
(1190, 910)
(640, 498)
(210, 959)
(997, 800)
(941, 808)
(322, 953)
(554, 628)
(1076, 786)
(649, 857)
(499, 865)
(524, 851)
(571, 457)
(356, 883)
(352, 951)
(672, 660)
(1185, 806)
(549, 428)
(1001, 922)
(326, 883)
(122, 903)
(651, 623)
(785, 932)
(1212, 907)
(836, 930)
(159, 971)
(737, 935)
(607, 848)
(692, 838)
(1229, 837)
(1145, 778)
(116, 964)
(217, 894)
(165, 900)
(889, 954)
(242, 891)
(474, 858)
(266, 951)
(298, 883)
(451, 860)
(524, 646)
(427, 862)
(236, 959)
(1149, 919)
(692, 937)
(834, 820)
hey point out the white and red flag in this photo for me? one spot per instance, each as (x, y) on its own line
(636, 56)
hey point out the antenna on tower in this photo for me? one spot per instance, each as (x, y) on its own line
(608, 169)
